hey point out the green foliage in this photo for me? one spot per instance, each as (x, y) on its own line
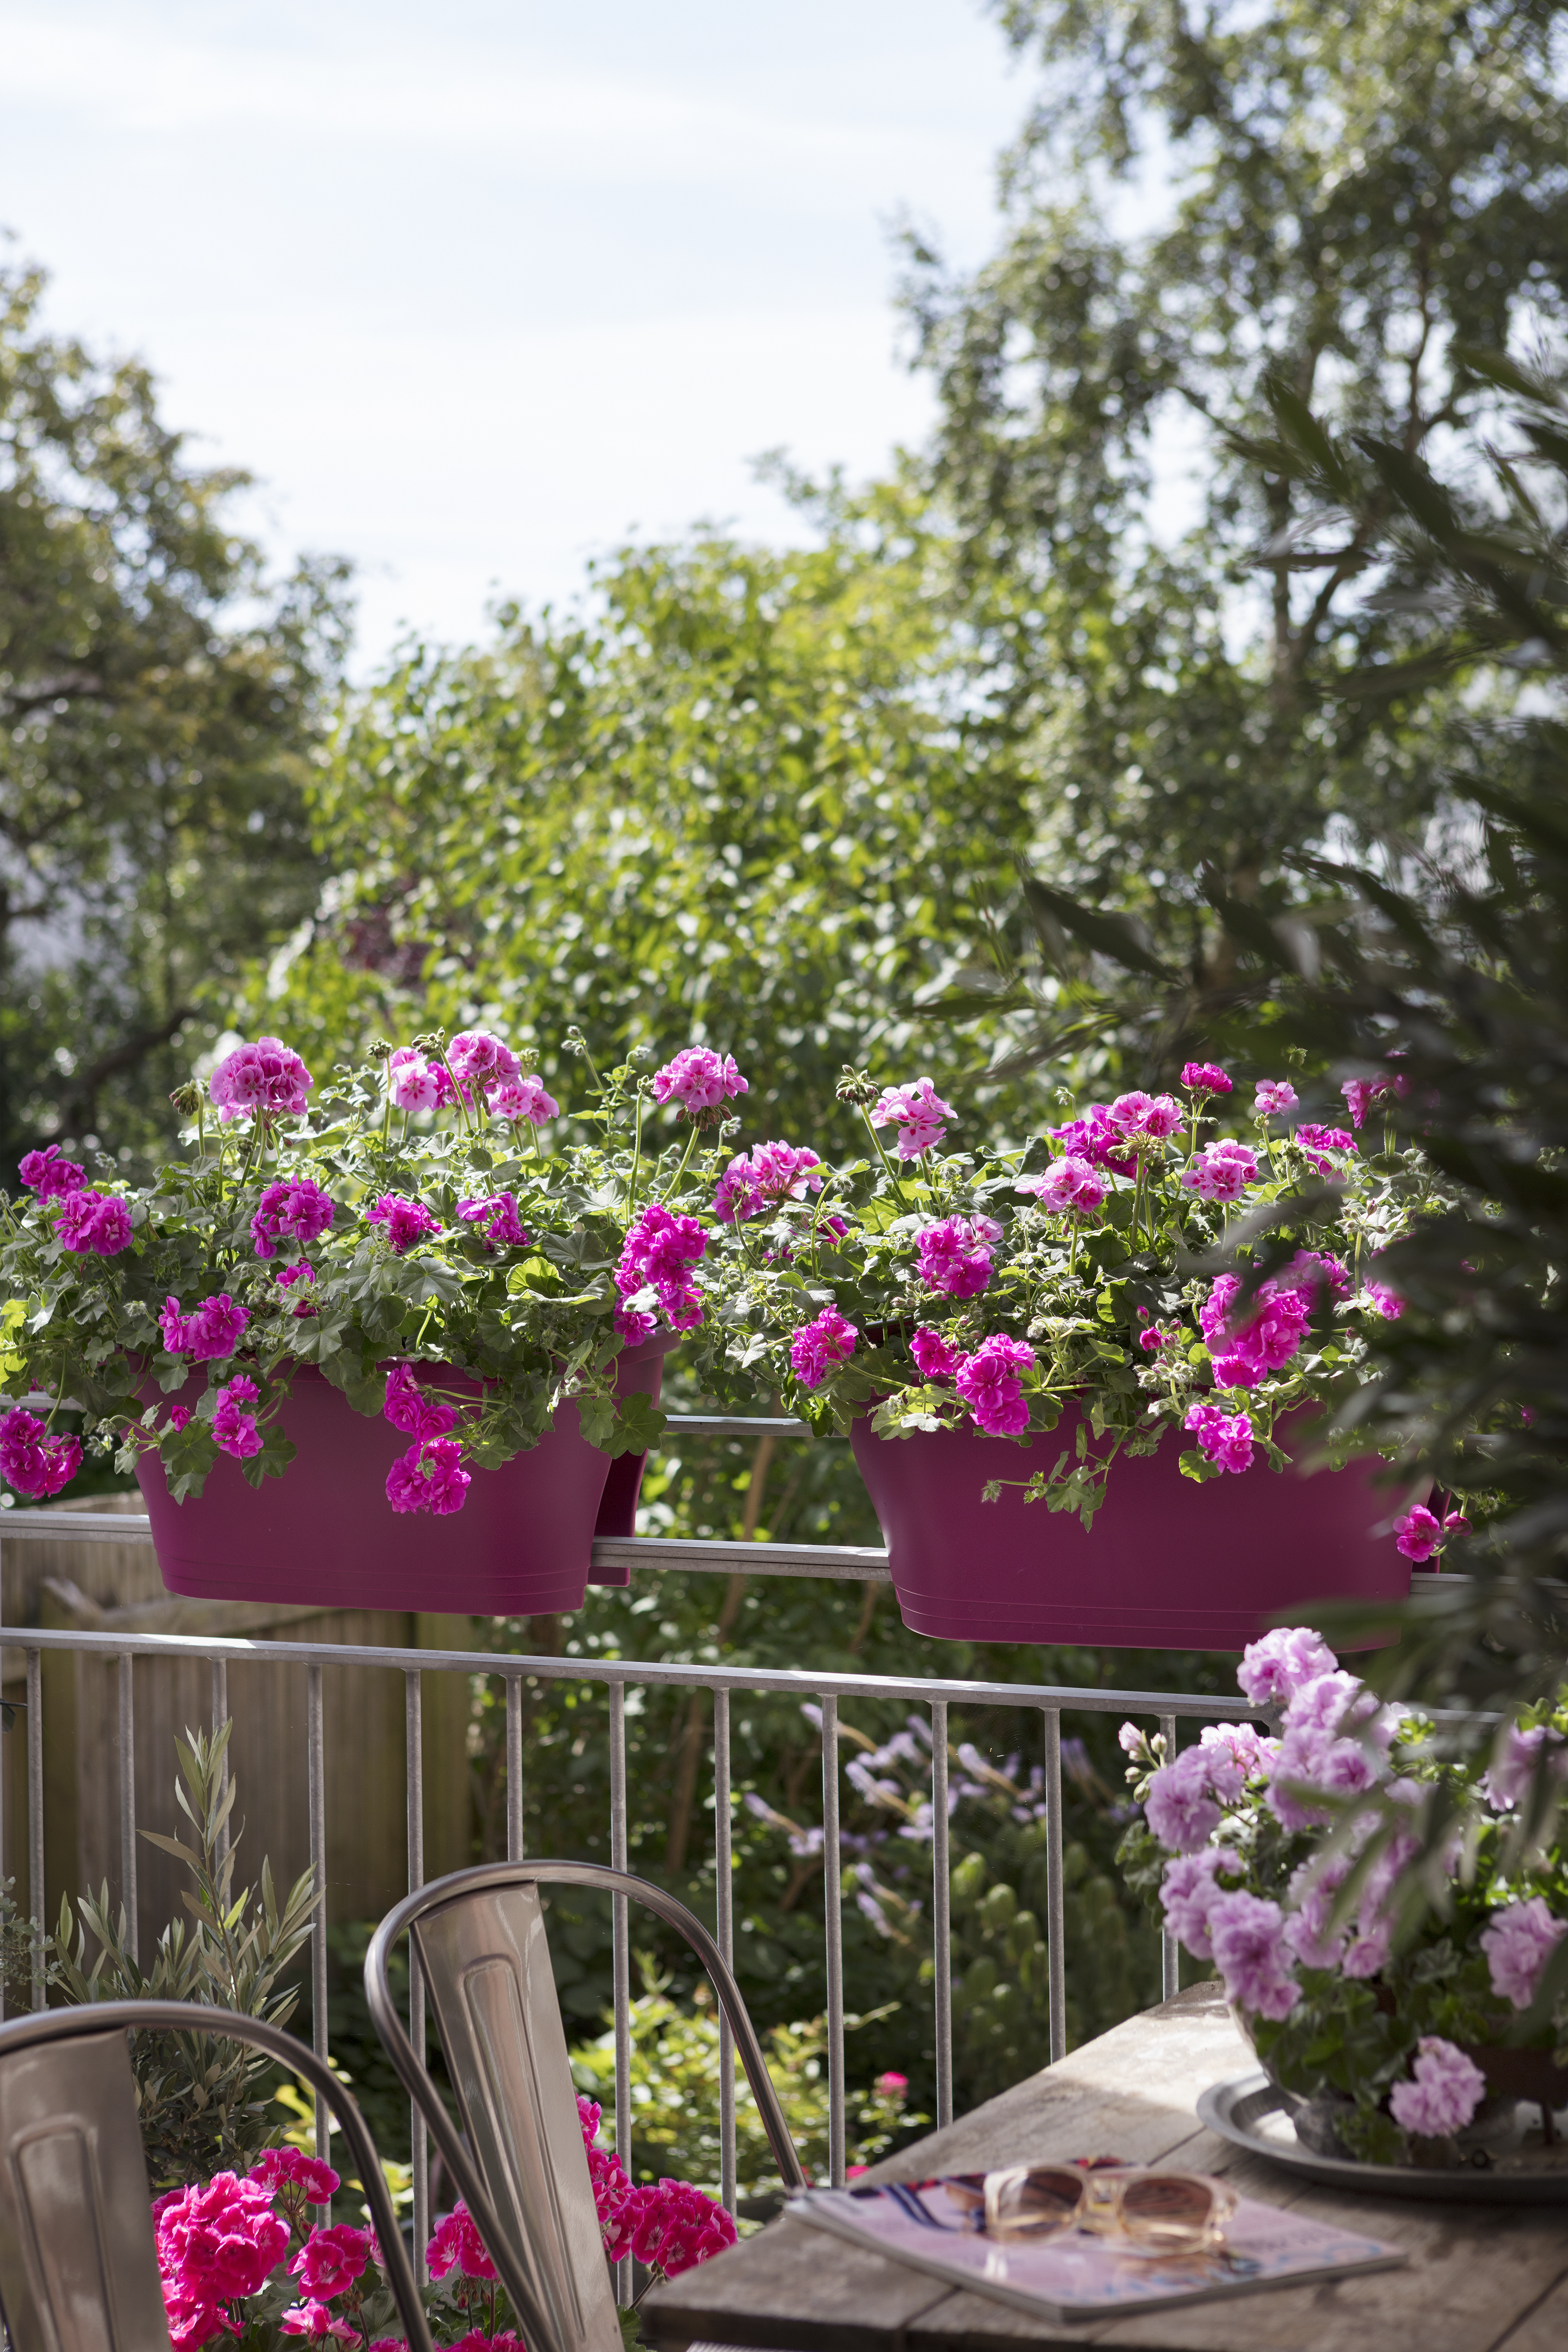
(1346, 200)
(675, 2079)
(159, 706)
(740, 800)
(195, 2093)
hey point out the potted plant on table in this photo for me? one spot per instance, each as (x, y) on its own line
(1277, 1860)
(1026, 1328)
(341, 1319)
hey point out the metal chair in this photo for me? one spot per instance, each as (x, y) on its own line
(480, 1937)
(79, 2265)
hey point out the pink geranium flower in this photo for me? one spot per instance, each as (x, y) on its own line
(429, 1477)
(758, 1181)
(99, 1222)
(936, 1358)
(299, 2178)
(1097, 1138)
(455, 2242)
(478, 1061)
(1518, 1941)
(699, 1081)
(519, 1099)
(919, 1113)
(657, 1255)
(1189, 1885)
(1276, 1326)
(298, 1210)
(818, 1346)
(32, 1462)
(330, 2260)
(991, 1384)
(408, 1407)
(1322, 1146)
(209, 1335)
(316, 2321)
(267, 1077)
(1205, 1078)
(235, 1431)
(954, 1255)
(1153, 1116)
(497, 1219)
(1222, 1171)
(1069, 1183)
(1273, 1096)
(1224, 1438)
(1445, 2090)
(1250, 1951)
(48, 1175)
(1278, 1664)
(406, 1221)
(414, 1083)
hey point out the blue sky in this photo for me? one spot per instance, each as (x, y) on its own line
(479, 289)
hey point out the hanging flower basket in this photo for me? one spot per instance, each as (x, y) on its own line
(1166, 1564)
(383, 1349)
(520, 1546)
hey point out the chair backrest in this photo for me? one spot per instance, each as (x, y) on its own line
(78, 2264)
(480, 1939)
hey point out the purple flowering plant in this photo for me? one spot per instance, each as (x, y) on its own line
(429, 1213)
(1278, 1851)
(937, 1289)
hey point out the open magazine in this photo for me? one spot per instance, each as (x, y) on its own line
(1075, 2275)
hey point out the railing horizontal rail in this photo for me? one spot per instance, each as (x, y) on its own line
(786, 1682)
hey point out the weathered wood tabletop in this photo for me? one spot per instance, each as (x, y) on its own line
(1480, 2277)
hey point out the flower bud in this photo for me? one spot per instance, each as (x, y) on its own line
(186, 1100)
(857, 1087)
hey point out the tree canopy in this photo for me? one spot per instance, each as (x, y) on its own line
(736, 799)
(158, 707)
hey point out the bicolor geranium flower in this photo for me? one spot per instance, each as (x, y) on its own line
(918, 1112)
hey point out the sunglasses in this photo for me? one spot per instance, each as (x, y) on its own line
(1164, 2212)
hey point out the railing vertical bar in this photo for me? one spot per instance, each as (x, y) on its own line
(725, 1928)
(622, 1957)
(316, 1764)
(941, 1912)
(220, 1717)
(1055, 1932)
(414, 1754)
(128, 1801)
(36, 1818)
(1170, 1949)
(514, 1768)
(831, 1902)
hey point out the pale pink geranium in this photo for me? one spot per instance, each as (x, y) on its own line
(48, 1175)
(414, 1083)
(32, 1462)
(1333, 1729)
(756, 1182)
(990, 1382)
(1443, 2093)
(1205, 1078)
(1518, 1941)
(1516, 1760)
(267, 1076)
(1248, 1937)
(296, 1210)
(1067, 1184)
(1278, 1664)
(497, 1219)
(918, 1112)
(936, 1358)
(817, 1346)
(699, 1081)
(523, 1099)
(1224, 1438)
(99, 1222)
(234, 1429)
(954, 1255)
(406, 1221)
(209, 1335)
(1222, 1171)
(1183, 1804)
(1275, 1327)
(1273, 1096)
(1252, 1750)
(1150, 1116)
(1189, 1885)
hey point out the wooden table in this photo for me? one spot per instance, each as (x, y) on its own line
(1480, 2277)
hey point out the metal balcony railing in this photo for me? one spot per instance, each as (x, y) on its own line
(935, 1693)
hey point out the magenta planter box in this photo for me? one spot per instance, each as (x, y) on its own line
(1169, 1565)
(325, 1532)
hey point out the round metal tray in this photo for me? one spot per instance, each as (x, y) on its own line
(1252, 2113)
